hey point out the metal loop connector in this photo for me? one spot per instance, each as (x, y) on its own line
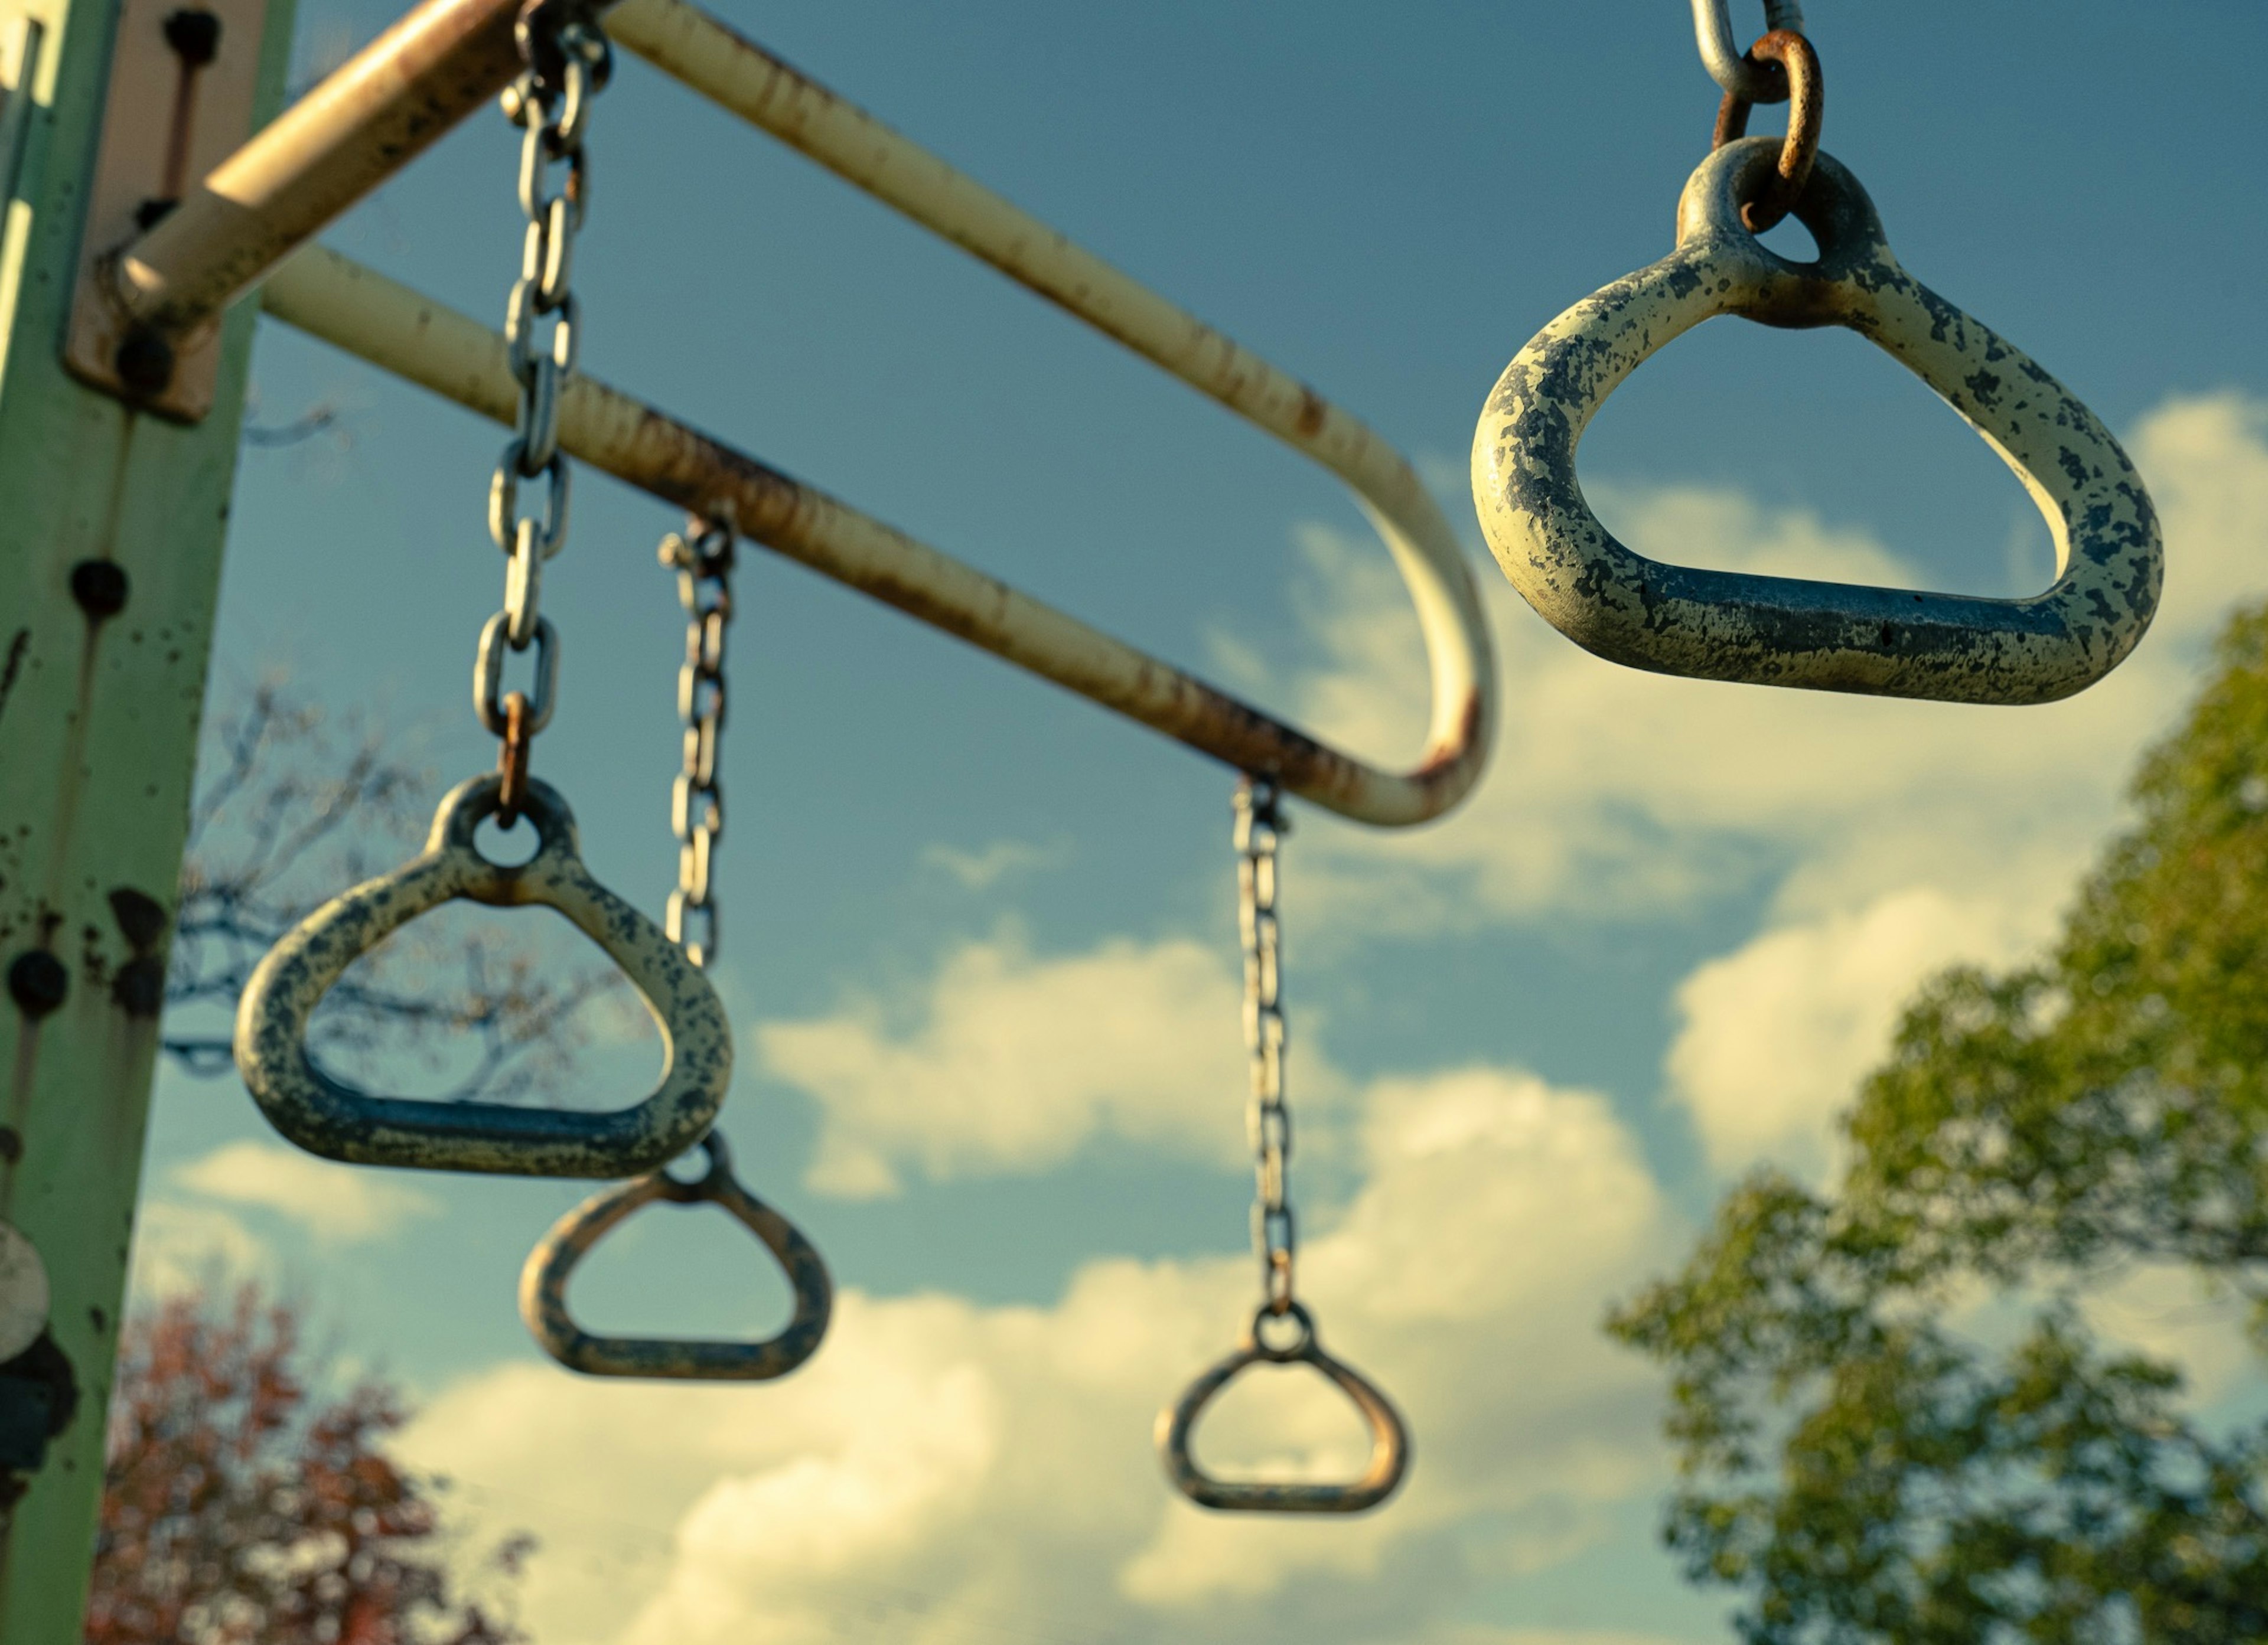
(694, 926)
(1389, 1440)
(328, 1117)
(543, 1285)
(504, 501)
(1787, 631)
(1735, 74)
(1806, 94)
(487, 674)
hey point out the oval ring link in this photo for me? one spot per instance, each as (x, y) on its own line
(1733, 73)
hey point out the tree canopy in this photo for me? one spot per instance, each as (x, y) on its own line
(242, 1506)
(1892, 1419)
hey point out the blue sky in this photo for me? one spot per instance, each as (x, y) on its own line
(980, 935)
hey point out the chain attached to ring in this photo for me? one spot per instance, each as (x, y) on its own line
(569, 61)
(1806, 94)
(1281, 1332)
(702, 555)
(1260, 830)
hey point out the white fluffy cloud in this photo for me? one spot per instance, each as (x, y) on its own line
(944, 1468)
(1898, 836)
(183, 1247)
(1778, 1033)
(1014, 1062)
(337, 1204)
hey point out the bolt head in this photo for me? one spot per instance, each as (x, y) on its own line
(100, 587)
(145, 362)
(37, 982)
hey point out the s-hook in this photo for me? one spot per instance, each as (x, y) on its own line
(1786, 631)
(568, 62)
(1281, 1332)
(703, 558)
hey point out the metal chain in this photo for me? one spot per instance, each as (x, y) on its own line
(701, 556)
(569, 62)
(1260, 830)
(1731, 68)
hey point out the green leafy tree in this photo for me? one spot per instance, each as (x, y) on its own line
(1891, 1419)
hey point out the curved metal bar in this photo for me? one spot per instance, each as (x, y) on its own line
(328, 1117)
(401, 331)
(1389, 1440)
(1786, 631)
(543, 1285)
(714, 60)
(1727, 65)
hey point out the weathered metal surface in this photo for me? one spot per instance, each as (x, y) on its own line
(543, 1285)
(327, 1117)
(711, 58)
(1739, 76)
(183, 83)
(1807, 112)
(1785, 631)
(25, 1294)
(1389, 1440)
(414, 336)
(109, 568)
(362, 123)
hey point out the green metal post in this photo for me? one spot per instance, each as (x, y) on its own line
(111, 527)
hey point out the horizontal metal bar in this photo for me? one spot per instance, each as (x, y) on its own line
(385, 322)
(355, 129)
(712, 59)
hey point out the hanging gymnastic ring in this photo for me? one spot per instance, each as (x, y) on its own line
(328, 1117)
(543, 1285)
(1787, 631)
(1389, 1438)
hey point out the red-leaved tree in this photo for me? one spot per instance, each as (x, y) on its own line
(242, 1507)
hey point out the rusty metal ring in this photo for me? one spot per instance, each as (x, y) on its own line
(1807, 98)
(512, 761)
(1389, 1439)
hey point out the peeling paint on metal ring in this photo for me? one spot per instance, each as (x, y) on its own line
(1787, 631)
(325, 1116)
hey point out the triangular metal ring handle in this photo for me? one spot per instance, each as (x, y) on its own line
(1389, 1440)
(1786, 631)
(328, 1117)
(543, 1285)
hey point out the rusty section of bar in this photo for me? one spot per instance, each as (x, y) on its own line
(362, 124)
(396, 328)
(709, 57)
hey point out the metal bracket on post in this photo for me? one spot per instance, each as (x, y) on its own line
(183, 78)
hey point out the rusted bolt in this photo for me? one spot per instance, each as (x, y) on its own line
(194, 33)
(37, 982)
(100, 587)
(139, 988)
(144, 361)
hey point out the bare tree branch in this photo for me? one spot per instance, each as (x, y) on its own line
(299, 807)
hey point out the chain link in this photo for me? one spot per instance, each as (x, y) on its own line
(701, 556)
(569, 61)
(1260, 830)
